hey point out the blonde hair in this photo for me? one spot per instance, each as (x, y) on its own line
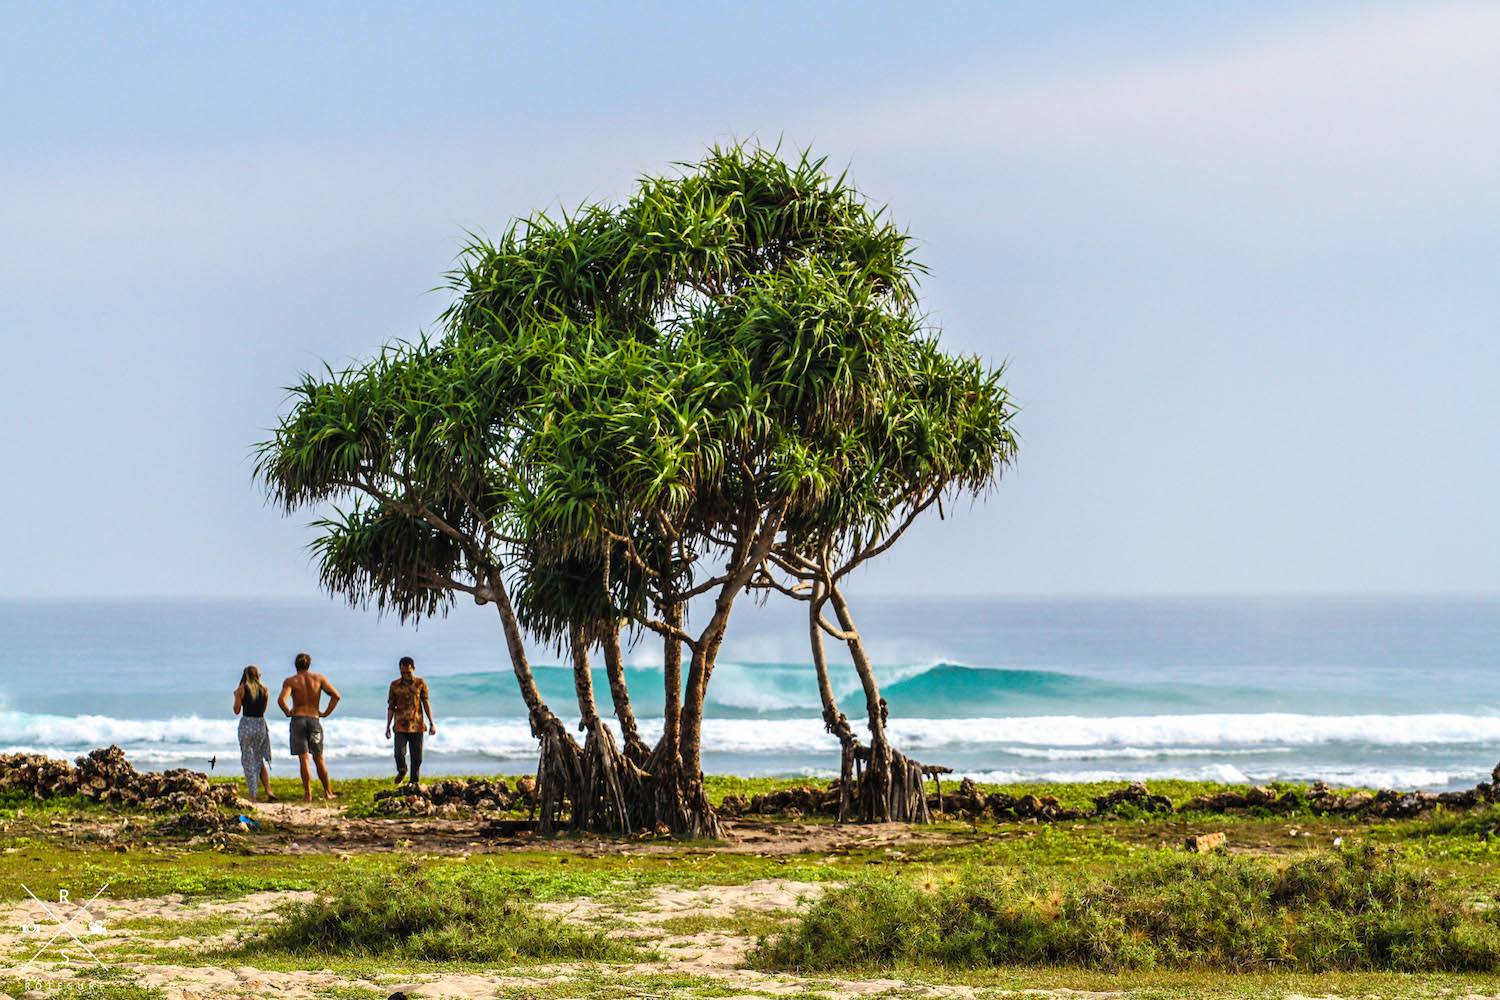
(250, 681)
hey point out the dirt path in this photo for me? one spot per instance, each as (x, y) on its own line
(293, 826)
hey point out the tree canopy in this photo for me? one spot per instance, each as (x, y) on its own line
(627, 407)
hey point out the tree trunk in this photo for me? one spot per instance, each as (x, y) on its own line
(611, 794)
(635, 748)
(834, 720)
(559, 763)
(893, 784)
(682, 804)
(706, 649)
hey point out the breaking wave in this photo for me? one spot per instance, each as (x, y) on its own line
(1056, 738)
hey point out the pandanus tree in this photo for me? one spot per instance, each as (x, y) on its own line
(941, 427)
(632, 411)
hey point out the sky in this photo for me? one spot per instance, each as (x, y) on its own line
(1242, 260)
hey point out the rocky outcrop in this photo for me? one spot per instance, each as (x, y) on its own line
(1321, 799)
(970, 802)
(1134, 797)
(455, 797)
(106, 776)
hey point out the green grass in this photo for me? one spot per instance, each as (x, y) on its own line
(92, 984)
(1348, 910)
(423, 916)
(357, 795)
(45, 859)
(17, 805)
(349, 993)
(47, 846)
(541, 873)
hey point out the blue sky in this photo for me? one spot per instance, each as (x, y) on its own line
(1243, 260)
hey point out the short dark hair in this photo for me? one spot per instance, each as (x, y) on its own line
(303, 661)
(407, 661)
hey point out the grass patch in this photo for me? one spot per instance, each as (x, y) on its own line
(417, 917)
(1350, 910)
(16, 804)
(89, 985)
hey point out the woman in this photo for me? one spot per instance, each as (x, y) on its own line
(250, 700)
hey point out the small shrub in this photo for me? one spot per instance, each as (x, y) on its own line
(1351, 910)
(413, 916)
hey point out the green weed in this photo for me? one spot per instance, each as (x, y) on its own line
(415, 916)
(1349, 910)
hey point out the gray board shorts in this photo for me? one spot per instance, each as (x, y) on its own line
(307, 736)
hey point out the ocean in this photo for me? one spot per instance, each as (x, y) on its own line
(1399, 692)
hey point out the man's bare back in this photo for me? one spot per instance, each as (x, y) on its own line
(306, 689)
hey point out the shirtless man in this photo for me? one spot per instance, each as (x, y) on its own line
(306, 690)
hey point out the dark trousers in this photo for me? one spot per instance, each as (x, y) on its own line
(409, 744)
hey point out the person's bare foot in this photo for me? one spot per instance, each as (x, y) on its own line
(330, 796)
(307, 798)
(271, 798)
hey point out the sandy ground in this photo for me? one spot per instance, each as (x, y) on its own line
(294, 826)
(713, 955)
(710, 954)
(718, 955)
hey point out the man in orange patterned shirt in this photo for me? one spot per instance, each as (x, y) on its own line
(404, 707)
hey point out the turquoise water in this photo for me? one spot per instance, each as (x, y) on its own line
(1389, 691)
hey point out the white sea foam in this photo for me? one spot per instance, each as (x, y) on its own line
(737, 686)
(1373, 777)
(1207, 730)
(1257, 747)
(1050, 737)
(1135, 753)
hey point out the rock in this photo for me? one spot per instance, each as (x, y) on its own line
(1135, 795)
(106, 776)
(1203, 843)
(1217, 802)
(1289, 802)
(800, 801)
(450, 797)
(405, 802)
(1260, 795)
(1466, 799)
(1391, 804)
(201, 820)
